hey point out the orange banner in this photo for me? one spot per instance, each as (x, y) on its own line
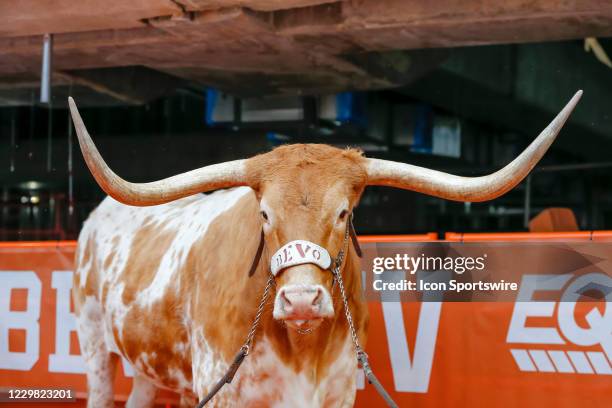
(425, 354)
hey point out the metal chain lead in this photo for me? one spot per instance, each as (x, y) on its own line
(249, 339)
(244, 350)
(347, 312)
(362, 357)
(338, 277)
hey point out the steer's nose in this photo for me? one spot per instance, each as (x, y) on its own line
(301, 302)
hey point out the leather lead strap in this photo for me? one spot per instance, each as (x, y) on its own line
(257, 255)
(227, 378)
(363, 359)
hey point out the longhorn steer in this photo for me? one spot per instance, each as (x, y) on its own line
(167, 287)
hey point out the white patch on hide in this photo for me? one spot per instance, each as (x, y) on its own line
(111, 229)
(95, 353)
(264, 378)
(207, 366)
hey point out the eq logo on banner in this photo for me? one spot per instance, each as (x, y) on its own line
(570, 344)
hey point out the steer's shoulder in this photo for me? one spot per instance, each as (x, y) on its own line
(119, 239)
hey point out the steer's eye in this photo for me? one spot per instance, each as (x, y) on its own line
(343, 215)
(264, 215)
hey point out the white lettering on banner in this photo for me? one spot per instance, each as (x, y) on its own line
(26, 320)
(525, 307)
(65, 322)
(599, 331)
(412, 376)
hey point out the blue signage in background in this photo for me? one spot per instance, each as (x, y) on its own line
(344, 108)
(422, 136)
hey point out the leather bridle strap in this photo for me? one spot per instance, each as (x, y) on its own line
(257, 254)
(354, 239)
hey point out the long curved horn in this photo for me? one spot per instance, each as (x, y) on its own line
(451, 187)
(216, 176)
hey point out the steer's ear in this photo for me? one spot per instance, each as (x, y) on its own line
(257, 254)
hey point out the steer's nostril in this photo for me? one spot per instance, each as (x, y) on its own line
(285, 298)
(318, 297)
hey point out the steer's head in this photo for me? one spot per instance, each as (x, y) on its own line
(306, 194)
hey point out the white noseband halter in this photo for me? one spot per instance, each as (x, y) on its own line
(297, 253)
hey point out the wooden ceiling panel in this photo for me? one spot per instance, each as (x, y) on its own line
(321, 81)
(232, 29)
(35, 17)
(390, 12)
(280, 46)
(262, 5)
(391, 25)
